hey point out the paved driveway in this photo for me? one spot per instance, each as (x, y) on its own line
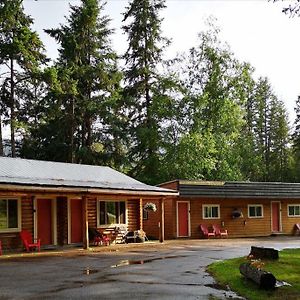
(174, 270)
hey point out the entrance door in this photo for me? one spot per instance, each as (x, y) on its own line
(76, 220)
(44, 221)
(276, 226)
(183, 218)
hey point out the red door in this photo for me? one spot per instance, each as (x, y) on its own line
(183, 218)
(275, 216)
(76, 221)
(44, 221)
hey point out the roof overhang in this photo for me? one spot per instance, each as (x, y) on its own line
(85, 191)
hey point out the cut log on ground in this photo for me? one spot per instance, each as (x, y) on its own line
(264, 279)
(264, 253)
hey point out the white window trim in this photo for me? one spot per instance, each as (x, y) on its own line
(211, 205)
(256, 205)
(18, 229)
(110, 225)
(288, 211)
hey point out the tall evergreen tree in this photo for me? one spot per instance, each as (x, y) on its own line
(84, 92)
(143, 93)
(296, 140)
(20, 56)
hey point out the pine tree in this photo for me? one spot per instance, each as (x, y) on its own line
(21, 53)
(296, 141)
(86, 57)
(143, 92)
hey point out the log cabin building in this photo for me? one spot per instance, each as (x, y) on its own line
(58, 202)
(245, 209)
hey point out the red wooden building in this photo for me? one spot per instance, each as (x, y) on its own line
(245, 209)
(58, 202)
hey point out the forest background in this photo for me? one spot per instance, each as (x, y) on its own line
(200, 115)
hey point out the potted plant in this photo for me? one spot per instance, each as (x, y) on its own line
(150, 207)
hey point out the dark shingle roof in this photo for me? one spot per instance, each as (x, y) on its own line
(54, 174)
(222, 189)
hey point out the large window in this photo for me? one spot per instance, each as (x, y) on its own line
(294, 210)
(111, 212)
(255, 211)
(211, 211)
(9, 214)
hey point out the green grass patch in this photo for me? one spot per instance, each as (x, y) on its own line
(287, 268)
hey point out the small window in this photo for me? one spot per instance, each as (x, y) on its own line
(211, 211)
(294, 210)
(9, 214)
(255, 211)
(111, 212)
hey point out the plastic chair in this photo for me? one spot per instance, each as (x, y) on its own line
(206, 233)
(30, 243)
(220, 232)
(98, 238)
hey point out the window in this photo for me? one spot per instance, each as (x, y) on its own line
(9, 214)
(211, 211)
(255, 211)
(111, 212)
(294, 210)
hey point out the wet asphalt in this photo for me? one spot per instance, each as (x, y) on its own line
(173, 270)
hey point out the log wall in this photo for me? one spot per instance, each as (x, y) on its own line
(151, 224)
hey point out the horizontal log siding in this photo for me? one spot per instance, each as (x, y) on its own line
(11, 240)
(170, 219)
(92, 212)
(243, 226)
(133, 214)
(288, 223)
(239, 227)
(151, 225)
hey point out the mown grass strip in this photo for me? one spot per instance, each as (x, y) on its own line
(287, 268)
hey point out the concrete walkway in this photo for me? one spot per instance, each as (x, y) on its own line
(172, 270)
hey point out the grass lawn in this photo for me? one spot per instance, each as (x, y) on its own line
(287, 268)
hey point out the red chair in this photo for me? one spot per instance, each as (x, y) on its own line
(0, 248)
(98, 238)
(220, 232)
(29, 243)
(206, 233)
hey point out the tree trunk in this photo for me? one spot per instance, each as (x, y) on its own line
(264, 253)
(12, 109)
(264, 279)
(1, 141)
(71, 150)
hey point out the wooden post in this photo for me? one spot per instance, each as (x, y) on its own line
(85, 222)
(162, 221)
(141, 214)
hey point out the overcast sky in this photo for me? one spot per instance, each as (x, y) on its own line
(257, 32)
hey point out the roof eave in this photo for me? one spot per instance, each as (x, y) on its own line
(83, 190)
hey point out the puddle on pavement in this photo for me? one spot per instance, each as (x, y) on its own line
(89, 271)
(127, 262)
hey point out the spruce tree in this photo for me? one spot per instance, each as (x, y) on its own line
(21, 53)
(86, 57)
(296, 140)
(143, 93)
